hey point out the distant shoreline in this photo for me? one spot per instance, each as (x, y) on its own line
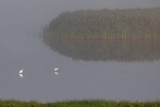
(79, 103)
(106, 35)
(116, 24)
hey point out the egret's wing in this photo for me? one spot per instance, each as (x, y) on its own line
(21, 75)
(21, 71)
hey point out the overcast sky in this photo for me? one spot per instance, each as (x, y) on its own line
(35, 13)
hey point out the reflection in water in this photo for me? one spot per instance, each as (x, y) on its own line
(117, 50)
(56, 71)
(20, 73)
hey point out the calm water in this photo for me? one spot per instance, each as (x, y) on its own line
(22, 48)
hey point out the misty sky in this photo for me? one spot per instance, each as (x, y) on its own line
(30, 14)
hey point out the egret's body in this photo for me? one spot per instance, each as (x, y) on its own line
(56, 68)
(21, 71)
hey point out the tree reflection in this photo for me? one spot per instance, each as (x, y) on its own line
(106, 50)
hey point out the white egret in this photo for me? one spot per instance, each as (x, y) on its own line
(56, 71)
(20, 73)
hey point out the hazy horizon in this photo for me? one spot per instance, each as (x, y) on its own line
(37, 14)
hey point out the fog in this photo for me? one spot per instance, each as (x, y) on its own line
(20, 23)
(26, 15)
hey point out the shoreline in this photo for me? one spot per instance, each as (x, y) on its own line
(79, 103)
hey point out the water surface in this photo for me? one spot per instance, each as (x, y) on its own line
(22, 48)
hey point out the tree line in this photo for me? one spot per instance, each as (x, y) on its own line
(106, 24)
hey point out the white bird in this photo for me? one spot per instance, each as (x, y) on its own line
(56, 71)
(20, 73)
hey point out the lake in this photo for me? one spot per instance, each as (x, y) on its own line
(83, 74)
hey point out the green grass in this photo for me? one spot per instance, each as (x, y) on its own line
(81, 103)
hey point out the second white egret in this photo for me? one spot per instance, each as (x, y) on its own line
(56, 71)
(20, 73)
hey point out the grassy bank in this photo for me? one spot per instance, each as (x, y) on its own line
(82, 103)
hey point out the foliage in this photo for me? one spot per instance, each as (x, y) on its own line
(83, 103)
(119, 34)
(121, 24)
(101, 50)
